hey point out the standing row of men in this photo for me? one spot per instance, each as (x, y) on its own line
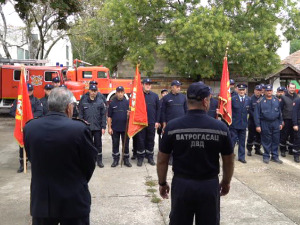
(272, 121)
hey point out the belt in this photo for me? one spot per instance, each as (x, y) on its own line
(185, 176)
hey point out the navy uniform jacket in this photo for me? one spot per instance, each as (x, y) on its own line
(213, 108)
(296, 112)
(253, 103)
(36, 107)
(286, 105)
(268, 110)
(173, 106)
(94, 112)
(62, 157)
(196, 140)
(87, 95)
(233, 93)
(117, 111)
(44, 102)
(153, 107)
(239, 112)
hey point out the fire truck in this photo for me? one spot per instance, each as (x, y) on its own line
(36, 74)
(106, 85)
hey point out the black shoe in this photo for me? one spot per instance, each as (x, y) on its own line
(151, 162)
(100, 164)
(140, 162)
(242, 160)
(133, 157)
(127, 163)
(291, 152)
(21, 169)
(296, 159)
(258, 152)
(115, 163)
(283, 154)
(249, 153)
(276, 160)
(265, 160)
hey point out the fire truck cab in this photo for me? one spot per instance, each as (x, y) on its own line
(38, 76)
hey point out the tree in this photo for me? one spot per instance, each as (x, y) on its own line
(3, 36)
(295, 46)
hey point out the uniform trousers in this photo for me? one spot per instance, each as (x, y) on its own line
(270, 134)
(146, 141)
(287, 133)
(253, 136)
(62, 221)
(97, 137)
(239, 135)
(116, 143)
(296, 147)
(195, 198)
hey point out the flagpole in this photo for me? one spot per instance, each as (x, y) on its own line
(24, 160)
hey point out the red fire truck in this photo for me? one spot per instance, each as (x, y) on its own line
(37, 75)
(106, 85)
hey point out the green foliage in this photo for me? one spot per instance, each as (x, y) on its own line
(194, 36)
(295, 46)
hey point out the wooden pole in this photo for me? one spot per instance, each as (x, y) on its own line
(24, 160)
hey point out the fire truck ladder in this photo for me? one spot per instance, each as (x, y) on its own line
(32, 62)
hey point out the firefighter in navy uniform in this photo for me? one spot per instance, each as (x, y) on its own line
(296, 125)
(55, 82)
(37, 111)
(232, 88)
(100, 95)
(280, 93)
(173, 105)
(240, 106)
(268, 122)
(44, 100)
(213, 106)
(253, 135)
(147, 135)
(196, 141)
(116, 122)
(163, 92)
(93, 110)
(287, 132)
(62, 157)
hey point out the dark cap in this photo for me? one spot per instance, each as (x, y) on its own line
(268, 87)
(258, 87)
(147, 81)
(48, 87)
(175, 82)
(163, 90)
(93, 87)
(63, 85)
(29, 87)
(120, 88)
(93, 82)
(281, 89)
(242, 86)
(231, 81)
(55, 80)
(198, 91)
(263, 86)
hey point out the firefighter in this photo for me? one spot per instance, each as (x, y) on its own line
(147, 135)
(253, 136)
(232, 88)
(280, 92)
(44, 100)
(93, 110)
(37, 111)
(287, 133)
(163, 92)
(56, 82)
(116, 121)
(213, 107)
(173, 106)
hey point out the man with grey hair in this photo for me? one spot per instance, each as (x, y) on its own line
(62, 157)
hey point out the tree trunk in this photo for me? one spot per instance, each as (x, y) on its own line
(3, 38)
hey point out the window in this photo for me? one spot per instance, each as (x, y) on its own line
(67, 52)
(26, 54)
(17, 75)
(87, 74)
(20, 53)
(49, 75)
(64, 72)
(102, 74)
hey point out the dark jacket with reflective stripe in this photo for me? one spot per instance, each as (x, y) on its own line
(286, 105)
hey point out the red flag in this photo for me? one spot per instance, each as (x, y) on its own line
(23, 108)
(138, 111)
(225, 97)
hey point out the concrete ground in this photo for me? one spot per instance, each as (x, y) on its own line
(260, 193)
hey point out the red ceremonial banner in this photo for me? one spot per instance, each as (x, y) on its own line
(23, 108)
(138, 111)
(225, 97)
